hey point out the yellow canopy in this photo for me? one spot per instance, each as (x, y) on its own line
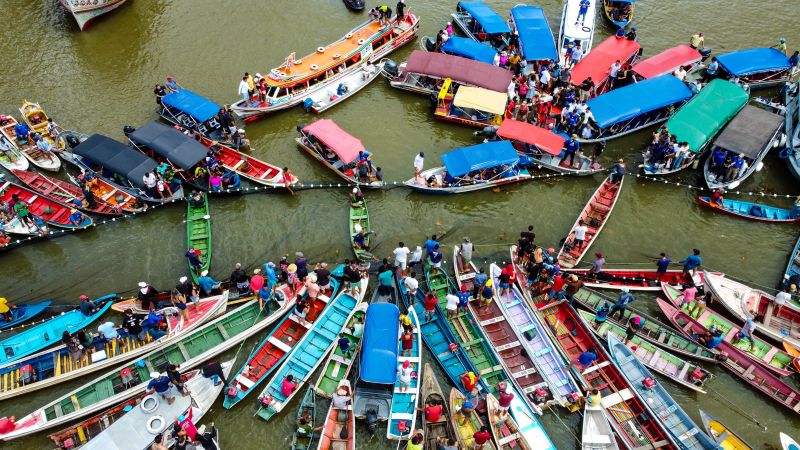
(480, 99)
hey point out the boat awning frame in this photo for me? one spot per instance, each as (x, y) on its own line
(527, 133)
(462, 161)
(480, 99)
(345, 145)
(636, 99)
(467, 48)
(750, 131)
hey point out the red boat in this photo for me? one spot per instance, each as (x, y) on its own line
(737, 362)
(623, 407)
(633, 279)
(63, 191)
(251, 168)
(594, 216)
(51, 211)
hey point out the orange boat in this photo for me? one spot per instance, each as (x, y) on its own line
(253, 169)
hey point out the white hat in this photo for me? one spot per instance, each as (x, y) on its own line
(625, 289)
(155, 375)
(355, 190)
(203, 273)
(256, 270)
(142, 284)
(202, 430)
(312, 277)
(258, 75)
(241, 130)
(357, 227)
(183, 279)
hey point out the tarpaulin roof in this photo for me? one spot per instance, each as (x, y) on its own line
(461, 70)
(704, 115)
(750, 131)
(379, 349)
(754, 60)
(480, 99)
(636, 99)
(490, 21)
(196, 106)
(597, 63)
(462, 161)
(542, 138)
(468, 48)
(116, 157)
(339, 141)
(170, 143)
(667, 61)
(535, 37)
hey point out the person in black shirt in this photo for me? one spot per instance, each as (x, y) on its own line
(214, 370)
(132, 325)
(240, 279)
(529, 234)
(631, 35)
(401, 7)
(147, 296)
(160, 92)
(176, 378)
(323, 276)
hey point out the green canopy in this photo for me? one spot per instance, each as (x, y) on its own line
(699, 120)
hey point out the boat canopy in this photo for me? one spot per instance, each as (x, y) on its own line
(461, 70)
(535, 36)
(489, 20)
(704, 115)
(542, 138)
(636, 99)
(754, 60)
(379, 349)
(345, 145)
(479, 157)
(481, 99)
(192, 104)
(468, 48)
(597, 63)
(170, 143)
(667, 61)
(750, 131)
(116, 157)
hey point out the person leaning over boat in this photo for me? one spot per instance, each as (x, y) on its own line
(240, 279)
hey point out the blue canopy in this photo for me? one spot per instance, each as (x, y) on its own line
(478, 157)
(192, 104)
(535, 37)
(754, 60)
(636, 99)
(489, 20)
(379, 349)
(468, 48)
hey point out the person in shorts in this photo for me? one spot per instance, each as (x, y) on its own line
(161, 385)
(463, 298)
(746, 333)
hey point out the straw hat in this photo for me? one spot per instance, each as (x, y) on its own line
(292, 268)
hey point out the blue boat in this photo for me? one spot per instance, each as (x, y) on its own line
(756, 67)
(636, 106)
(481, 23)
(49, 333)
(376, 372)
(535, 36)
(793, 268)
(681, 430)
(403, 415)
(752, 211)
(467, 48)
(192, 111)
(24, 312)
(791, 128)
(619, 12)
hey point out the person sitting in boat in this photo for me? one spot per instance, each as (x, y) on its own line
(73, 346)
(341, 398)
(356, 197)
(43, 145)
(602, 313)
(6, 310)
(76, 218)
(374, 15)
(710, 339)
(208, 286)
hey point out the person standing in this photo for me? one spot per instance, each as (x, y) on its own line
(244, 90)
(430, 305)
(160, 384)
(411, 284)
(635, 324)
(401, 256)
(781, 45)
(625, 298)
(780, 299)
(692, 262)
(419, 164)
(478, 282)
(571, 147)
(583, 8)
(711, 70)
(401, 9)
(572, 286)
(597, 266)
(618, 171)
(579, 234)
(214, 371)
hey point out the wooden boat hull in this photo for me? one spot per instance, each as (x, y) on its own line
(327, 98)
(465, 426)
(596, 432)
(607, 9)
(432, 394)
(724, 436)
(418, 186)
(23, 313)
(51, 163)
(330, 438)
(52, 211)
(10, 156)
(64, 192)
(633, 279)
(198, 234)
(308, 409)
(337, 367)
(86, 16)
(251, 168)
(359, 220)
(403, 413)
(743, 209)
(505, 430)
(351, 179)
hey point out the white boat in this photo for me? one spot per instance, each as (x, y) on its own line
(328, 96)
(85, 11)
(10, 156)
(788, 443)
(35, 156)
(573, 31)
(597, 433)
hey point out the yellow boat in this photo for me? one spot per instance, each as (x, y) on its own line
(465, 429)
(724, 436)
(38, 121)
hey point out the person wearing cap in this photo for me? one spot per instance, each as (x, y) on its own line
(571, 287)
(240, 279)
(781, 45)
(161, 385)
(208, 286)
(176, 379)
(87, 306)
(76, 217)
(147, 296)
(467, 408)
(172, 85)
(635, 323)
(692, 262)
(625, 298)
(631, 34)
(405, 371)
(360, 239)
(341, 397)
(487, 293)
(356, 197)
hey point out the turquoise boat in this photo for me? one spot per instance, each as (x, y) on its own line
(24, 312)
(752, 211)
(403, 414)
(49, 333)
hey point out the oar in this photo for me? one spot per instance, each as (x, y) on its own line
(735, 407)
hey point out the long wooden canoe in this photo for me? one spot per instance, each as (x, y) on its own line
(722, 434)
(403, 414)
(338, 365)
(505, 430)
(112, 194)
(465, 426)
(254, 169)
(64, 192)
(308, 408)
(10, 156)
(432, 394)
(339, 422)
(359, 220)
(633, 279)
(596, 432)
(24, 313)
(52, 211)
(198, 233)
(38, 158)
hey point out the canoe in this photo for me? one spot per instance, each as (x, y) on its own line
(307, 409)
(656, 359)
(55, 365)
(764, 353)
(133, 303)
(681, 430)
(114, 195)
(40, 336)
(52, 211)
(86, 13)
(24, 313)
(788, 443)
(791, 128)
(255, 170)
(750, 210)
(403, 413)
(64, 192)
(198, 233)
(338, 366)
(596, 432)
(336, 421)
(573, 31)
(465, 427)
(722, 434)
(10, 156)
(619, 400)
(633, 279)
(794, 352)
(328, 96)
(793, 270)
(190, 351)
(29, 150)
(737, 362)
(505, 430)
(432, 394)
(359, 220)
(390, 298)
(620, 21)
(594, 215)
(355, 5)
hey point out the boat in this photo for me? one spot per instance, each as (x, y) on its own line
(576, 32)
(55, 365)
(23, 313)
(296, 79)
(359, 220)
(681, 430)
(355, 5)
(52, 211)
(619, 12)
(631, 108)
(376, 372)
(750, 210)
(536, 43)
(249, 167)
(432, 394)
(403, 414)
(33, 115)
(424, 73)
(465, 427)
(755, 67)
(794, 353)
(670, 60)
(10, 156)
(594, 215)
(191, 111)
(543, 148)
(750, 135)
(722, 434)
(788, 443)
(480, 23)
(791, 129)
(198, 233)
(338, 365)
(339, 429)
(596, 63)
(465, 48)
(347, 86)
(505, 430)
(467, 169)
(471, 106)
(792, 273)
(130, 380)
(307, 410)
(336, 149)
(85, 12)
(38, 158)
(633, 279)
(64, 192)
(737, 362)
(390, 297)
(596, 432)
(655, 358)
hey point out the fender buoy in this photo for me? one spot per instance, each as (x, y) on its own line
(361, 42)
(156, 424)
(348, 35)
(280, 74)
(786, 153)
(586, 29)
(337, 56)
(314, 67)
(149, 403)
(299, 61)
(320, 49)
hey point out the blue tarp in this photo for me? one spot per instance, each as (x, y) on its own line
(636, 99)
(478, 157)
(468, 48)
(196, 106)
(379, 349)
(754, 60)
(535, 36)
(489, 20)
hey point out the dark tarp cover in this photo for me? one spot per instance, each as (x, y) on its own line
(379, 349)
(750, 131)
(460, 70)
(170, 143)
(192, 104)
(478, 157)
(116, 157)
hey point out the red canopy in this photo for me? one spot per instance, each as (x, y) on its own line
(667, 61)
(343, 144)
(542, 138)
(598, 62)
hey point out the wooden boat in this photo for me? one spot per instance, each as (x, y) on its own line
(655, 358)
(465, 427)
(596, 63)
(86, 13)
(596, 432)
(52, 211)
(573, 31)
(788, 443)
(755, 67)
(348, 85)
(471, 106)
(65, 192)
(23, 313)
(190, 351)
(355, 5)
(633, 279)
(594, 215)
(750, 210)
(794, 352)
(619, 12)
(376, 371)
(724, 436)
(791, 129)
(480, 23)
(55, 365)
(253, 169)
(670, 60)
(38, 158)
(338, 365)
(337, 422)
(792, 273)
(35, 338)
(162, 298)
(403, 413)
(391, 297)
(10, 156)
(198, 233)
(190, 111)
(112, 194)
(681, 430)
(505, 430)
(359, 220)
(463, 47)
(432, 394)
(307, 409)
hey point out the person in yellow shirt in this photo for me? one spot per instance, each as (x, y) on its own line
(697, 41)
(5, 309)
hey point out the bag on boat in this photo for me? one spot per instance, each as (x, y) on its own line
(756, 211)
(343, 434)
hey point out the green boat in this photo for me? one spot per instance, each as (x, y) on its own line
(338, 366)
(359, 220)
(198, 232)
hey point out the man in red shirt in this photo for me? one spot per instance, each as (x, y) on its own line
(470, 380)
(433, 413)
(430, 305)
(482, 437)
(504, 399)
(555, 290)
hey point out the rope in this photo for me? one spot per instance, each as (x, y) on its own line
(566, 427)
(736, 408)
(706, 189)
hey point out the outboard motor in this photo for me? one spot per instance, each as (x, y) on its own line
(390, 68)
(705, 52)
(72, 140)
(489, 132)
(128, 130)
(307, 104)
(372, 420)
(429, 43)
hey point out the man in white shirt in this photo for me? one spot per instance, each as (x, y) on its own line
(244, 89)
(419, 163)
(452, 305)
(544, 78)
(411, 284)
(580, 234)
(680, 74)
(496, 61)
(401, 256)
(613, 71)
(780, 299)
(150, 181)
